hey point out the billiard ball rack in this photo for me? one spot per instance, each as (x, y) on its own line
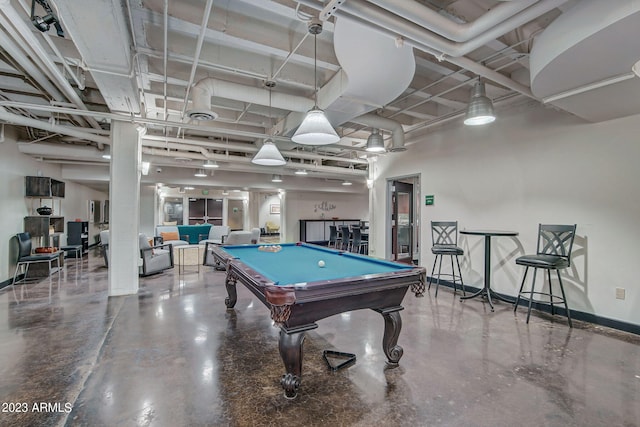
(347, 359)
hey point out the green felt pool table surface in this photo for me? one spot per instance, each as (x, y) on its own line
(298, 263)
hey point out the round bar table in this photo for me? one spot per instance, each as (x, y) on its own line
(488, 234)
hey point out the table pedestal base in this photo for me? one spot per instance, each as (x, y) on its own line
(489, 294)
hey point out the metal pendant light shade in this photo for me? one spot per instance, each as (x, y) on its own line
(480, 109)
(268, 155)
(375, 142)
(315, 129)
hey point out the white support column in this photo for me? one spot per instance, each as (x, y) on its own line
(284, 230)
(124, 209)
(254, 209)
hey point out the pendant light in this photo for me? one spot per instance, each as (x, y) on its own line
(269, 155)
(315, 129)
(480, 109)
(375, 142)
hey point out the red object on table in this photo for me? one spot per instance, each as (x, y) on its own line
(46, 250)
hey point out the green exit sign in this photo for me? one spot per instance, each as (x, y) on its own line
(205, 192)
(428, 200)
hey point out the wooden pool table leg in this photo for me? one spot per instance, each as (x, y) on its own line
(230, 283)
(290, 345)
(392, 328)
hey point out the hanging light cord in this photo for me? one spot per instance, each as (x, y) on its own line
(315, 70)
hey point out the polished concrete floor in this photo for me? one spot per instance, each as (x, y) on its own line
(174, 356)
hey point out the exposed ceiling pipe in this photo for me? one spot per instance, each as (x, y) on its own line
(185, 144)
(38, 124)
(396, 30)
(112, 116)
(196, 56)
(32, 44)
(165, 50)
(12, 49)
(206, 88)
(434, 21)
(57, 152)
(407, 29)
(247, 161)
(376, 121)
(79, 82)
(66, 151)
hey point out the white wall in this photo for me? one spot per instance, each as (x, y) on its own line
(14, 166)
(535, 165)
(264, 215)
(309, 205)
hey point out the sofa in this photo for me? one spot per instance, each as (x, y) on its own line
(186, 234)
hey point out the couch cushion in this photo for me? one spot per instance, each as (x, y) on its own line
(168, 236)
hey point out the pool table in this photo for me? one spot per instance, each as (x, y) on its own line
(299, 292)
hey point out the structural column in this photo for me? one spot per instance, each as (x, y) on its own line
(124, 209)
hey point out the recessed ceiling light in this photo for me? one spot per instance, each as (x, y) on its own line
(347, 183)
(200, 173)
(210, 164)
(301, 172)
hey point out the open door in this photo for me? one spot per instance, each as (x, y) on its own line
(402, 222)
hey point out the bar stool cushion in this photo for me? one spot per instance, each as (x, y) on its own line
(447, 250)
(543, 261)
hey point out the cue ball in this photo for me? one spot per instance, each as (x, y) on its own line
(320, 263)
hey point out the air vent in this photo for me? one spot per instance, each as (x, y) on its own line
(202, 115)
(394, 149)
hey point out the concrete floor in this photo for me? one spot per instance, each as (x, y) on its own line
(174, 356)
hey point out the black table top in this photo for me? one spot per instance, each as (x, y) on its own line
(489, 232)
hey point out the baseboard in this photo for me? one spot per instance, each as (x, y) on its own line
(9, 281)
(560, 311)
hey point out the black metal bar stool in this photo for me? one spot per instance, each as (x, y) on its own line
(554, 253)
(444, 235)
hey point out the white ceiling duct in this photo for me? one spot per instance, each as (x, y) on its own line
(440, 24)
(58, 151)
(565, 73)
(377, 70)
(362, 11)
(205, 89)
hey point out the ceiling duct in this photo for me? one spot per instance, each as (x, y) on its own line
(377, 70)
(205, 89)
(566, 74)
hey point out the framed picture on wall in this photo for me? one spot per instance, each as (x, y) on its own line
(274, 209)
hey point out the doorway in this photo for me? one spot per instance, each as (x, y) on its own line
(402, 226)
(235, 214)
